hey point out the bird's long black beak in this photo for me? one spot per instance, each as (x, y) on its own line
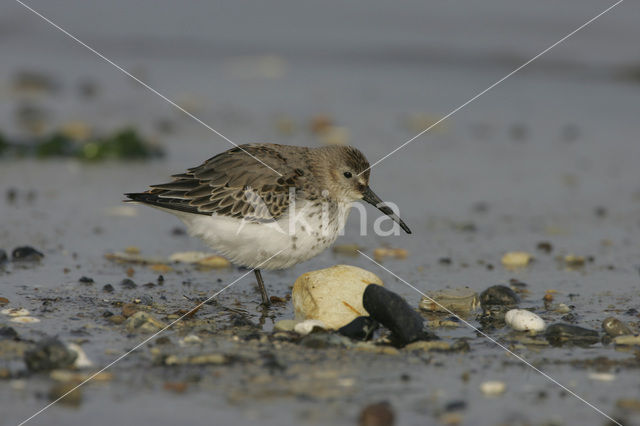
(370, 197)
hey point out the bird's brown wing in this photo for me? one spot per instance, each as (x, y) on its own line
(234, 184)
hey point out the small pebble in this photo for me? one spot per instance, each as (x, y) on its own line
(498, 295)
(15, 312)
(460, 300)
(378, 414)
(516, 259)
(108, 288)
(602, 377)
(614, 327)
(49, 354)
(559, 334)
(86, 280)
(523, 320)
(190, 339)
(493, 388)
(26, 254)
(3, 256)
(25, 320)
(382, 253)
(128, 284)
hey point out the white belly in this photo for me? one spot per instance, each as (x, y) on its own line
(277, 245)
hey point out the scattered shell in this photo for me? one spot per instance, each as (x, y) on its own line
(306, 327)
(516, 259)
(627, 340)
(15, 312)
(573, 261)
(216, 262)
(132, 250)
(190, 339)
(493, 388)
(602, 377)
(461, 300)
(381, 253)
(25, 320)
(523, 320)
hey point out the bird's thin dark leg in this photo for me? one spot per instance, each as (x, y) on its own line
(263, 290)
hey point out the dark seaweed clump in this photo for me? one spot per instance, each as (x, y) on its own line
(123, 144)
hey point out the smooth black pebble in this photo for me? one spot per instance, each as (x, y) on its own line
(26, 253)
(393, 312)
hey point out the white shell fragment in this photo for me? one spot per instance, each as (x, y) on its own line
(493, 388)
(25, 320)
(306, 327)
(523, 320)
(82, 360)
(15, 312)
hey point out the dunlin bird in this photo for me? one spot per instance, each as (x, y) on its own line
(261, 219)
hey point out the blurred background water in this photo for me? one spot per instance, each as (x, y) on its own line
(534, 159)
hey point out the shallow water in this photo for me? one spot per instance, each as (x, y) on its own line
(543, 152)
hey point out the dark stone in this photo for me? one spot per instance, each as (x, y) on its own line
(378, 414)
(361, 328)
(26, 253)
(392, 311)
(3, 256)
(499, 295)
(108, 288)
(457, 405)
(107, 314)
(8, 333)
(86, 280)
(128, 284)
(49, 353)
(146, 300)
(559, 334)
(545, 246)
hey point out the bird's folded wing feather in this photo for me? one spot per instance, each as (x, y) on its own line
(232, 184)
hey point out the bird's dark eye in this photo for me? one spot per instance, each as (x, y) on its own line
(347, 175)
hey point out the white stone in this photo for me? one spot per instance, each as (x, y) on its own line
(25, 320)
(189, 339)
(332, 295)
(306, 327)
(523, 320)
(493, 388)
(602, 377)
(15, 312)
